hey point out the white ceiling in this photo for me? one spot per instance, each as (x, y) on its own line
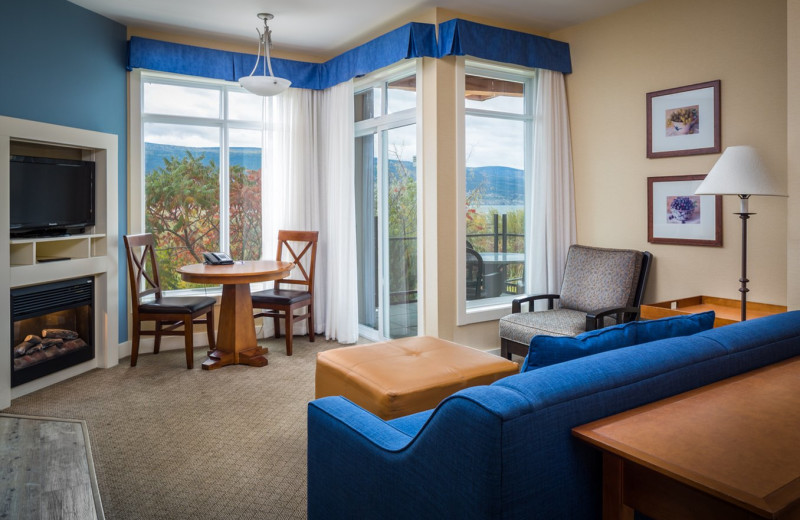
(325, 27)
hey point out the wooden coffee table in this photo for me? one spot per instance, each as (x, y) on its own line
(236, 339)
(728, 451)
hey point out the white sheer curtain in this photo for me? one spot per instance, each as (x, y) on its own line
(308, 185)
(552, 219)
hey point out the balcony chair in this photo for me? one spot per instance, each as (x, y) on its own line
(477, 277)
(600, 287)
(168, 312)
(280, 303)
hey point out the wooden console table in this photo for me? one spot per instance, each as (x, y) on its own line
(727, 311)
(730, 450)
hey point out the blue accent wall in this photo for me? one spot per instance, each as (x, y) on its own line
(64, 65)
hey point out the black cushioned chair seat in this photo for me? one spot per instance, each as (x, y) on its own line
(280, 296)
(177, 304)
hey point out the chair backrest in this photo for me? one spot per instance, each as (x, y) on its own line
(474, 274)
(597, 278)
(303, 253)
(142, 266)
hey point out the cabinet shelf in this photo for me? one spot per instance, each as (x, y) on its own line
(33, 251)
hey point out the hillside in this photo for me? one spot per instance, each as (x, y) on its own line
(500, 185)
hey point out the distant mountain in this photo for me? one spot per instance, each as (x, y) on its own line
(501, 185)
(155, 154)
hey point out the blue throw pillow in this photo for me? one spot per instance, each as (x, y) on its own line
(549, 350)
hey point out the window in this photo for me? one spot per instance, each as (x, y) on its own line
(497, 130)
(386, 191)
(202, 149)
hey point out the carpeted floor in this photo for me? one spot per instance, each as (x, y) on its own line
(171, 443)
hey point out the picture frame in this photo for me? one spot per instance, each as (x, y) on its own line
(675, 215)
(684, 121)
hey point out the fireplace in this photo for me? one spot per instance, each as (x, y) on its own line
(52, 328)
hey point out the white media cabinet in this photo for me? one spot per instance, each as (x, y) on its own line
(30, 261)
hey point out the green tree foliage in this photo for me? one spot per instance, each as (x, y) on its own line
(402, 229)
(182, 211)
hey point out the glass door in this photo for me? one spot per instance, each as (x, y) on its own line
(386, 222)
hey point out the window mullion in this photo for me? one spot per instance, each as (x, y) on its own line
(224, 177)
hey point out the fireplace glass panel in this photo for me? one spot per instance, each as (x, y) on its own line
(52, 328)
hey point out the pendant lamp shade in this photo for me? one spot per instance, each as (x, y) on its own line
(264, 85)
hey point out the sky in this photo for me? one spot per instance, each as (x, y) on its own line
(489, 141)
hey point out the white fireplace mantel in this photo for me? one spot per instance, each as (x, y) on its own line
(93, 254)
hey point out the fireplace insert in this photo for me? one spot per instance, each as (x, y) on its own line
(52, 328)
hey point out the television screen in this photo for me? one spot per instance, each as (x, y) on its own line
(50, 196)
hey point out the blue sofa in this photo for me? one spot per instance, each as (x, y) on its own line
(506, 450)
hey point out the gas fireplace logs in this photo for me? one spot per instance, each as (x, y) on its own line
(52, 343)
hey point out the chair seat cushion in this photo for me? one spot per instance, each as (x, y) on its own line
(177, 305)
(521, 327)
(280, 297)
(549, 350)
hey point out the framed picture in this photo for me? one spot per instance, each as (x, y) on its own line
(675, 215)
(684, 121)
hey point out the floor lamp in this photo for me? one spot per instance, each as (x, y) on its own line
(740, 171)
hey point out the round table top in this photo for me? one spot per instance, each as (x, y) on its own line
(240, 272)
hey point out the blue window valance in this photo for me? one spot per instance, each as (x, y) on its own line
(413, 40)
(462, 38)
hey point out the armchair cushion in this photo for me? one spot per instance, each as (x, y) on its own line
(521, 327)
(597, 278)
(549, 350)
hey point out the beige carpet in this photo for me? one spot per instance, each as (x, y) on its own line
(174, 443)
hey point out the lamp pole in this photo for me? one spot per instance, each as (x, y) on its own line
(744, 215)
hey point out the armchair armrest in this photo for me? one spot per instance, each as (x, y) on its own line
(596, 319)
(516, 303)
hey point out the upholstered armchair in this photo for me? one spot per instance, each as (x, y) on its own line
(600, 287)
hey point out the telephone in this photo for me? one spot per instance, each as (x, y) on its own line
(217, 259)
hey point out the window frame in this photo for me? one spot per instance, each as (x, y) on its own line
(492, 308)
(138, 119)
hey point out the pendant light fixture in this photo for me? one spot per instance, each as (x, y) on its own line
(264, 85)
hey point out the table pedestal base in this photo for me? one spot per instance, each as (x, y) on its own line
(236, 340)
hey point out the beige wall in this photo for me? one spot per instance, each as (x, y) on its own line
(793, 138)
(662, 44)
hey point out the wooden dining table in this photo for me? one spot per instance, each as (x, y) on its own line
(236, 337)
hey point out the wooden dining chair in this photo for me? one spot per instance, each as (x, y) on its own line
(168, 312)
(280, 303)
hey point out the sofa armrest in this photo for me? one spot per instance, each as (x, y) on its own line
(357, 420)
(516, 303)
(596, 319)
(360, 466)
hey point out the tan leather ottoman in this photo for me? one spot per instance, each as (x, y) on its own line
(404, 376)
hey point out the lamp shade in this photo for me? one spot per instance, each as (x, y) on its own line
(740, 171)
(264, 85)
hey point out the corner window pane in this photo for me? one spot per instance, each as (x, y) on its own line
(401, 94)
(368, 104)
(178, 100)
(181, 195)
(494, 94)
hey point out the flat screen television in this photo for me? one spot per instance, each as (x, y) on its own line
(50, 197)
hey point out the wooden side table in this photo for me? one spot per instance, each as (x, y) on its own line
(727, 311)
(729, 450)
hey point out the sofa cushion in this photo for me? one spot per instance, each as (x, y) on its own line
(549, 350)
